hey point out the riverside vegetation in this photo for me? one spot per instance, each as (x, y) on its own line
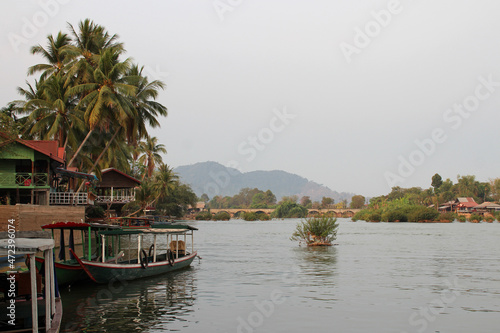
(412, 204)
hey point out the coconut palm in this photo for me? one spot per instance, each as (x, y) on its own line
(105, 100)
(54, 54)
(165, 181)
(54, 116)
(144, 102)
(90, 40)
(151, 157)
(163, 184)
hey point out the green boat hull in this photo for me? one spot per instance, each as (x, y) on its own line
(113, 272)
(67, 272)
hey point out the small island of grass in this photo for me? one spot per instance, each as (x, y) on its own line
(316, 231)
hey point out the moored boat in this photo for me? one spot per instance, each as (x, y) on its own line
(148, 260)
(25, 305)
(68, 270)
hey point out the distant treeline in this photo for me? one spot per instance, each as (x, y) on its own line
(416, 204)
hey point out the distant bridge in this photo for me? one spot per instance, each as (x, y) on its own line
(235, 212)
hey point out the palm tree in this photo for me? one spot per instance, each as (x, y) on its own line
(163, 184)
(151, 157)
(144, 102)
(144, 195)
(89, 41)
(165, 181)
(33, 91)
(105, 98)
(54, 54)
(54, 116)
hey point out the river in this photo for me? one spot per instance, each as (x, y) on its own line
(379, 277)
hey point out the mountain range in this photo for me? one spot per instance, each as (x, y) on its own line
(214, 179)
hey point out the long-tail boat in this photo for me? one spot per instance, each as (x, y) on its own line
(68, 270)
(153, 251)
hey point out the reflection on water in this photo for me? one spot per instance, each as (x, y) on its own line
(316, 264)
(381, 277)
(129, 305)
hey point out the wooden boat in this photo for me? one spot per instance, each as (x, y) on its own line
(25, 306)
(69, 270)
(148, 261)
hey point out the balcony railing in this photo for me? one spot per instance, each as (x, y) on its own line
(24, 179)
(69, 198)
(115, 198)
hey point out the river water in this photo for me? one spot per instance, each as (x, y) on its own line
(379, 277)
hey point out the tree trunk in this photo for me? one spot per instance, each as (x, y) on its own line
(79, 148)
(152, 202)
(100, 156)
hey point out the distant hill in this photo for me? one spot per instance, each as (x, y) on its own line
(214, 179)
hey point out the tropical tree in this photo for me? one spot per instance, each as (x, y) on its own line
(105, 99)
(357, 202)
(144, 102)
(165, 181)
(326, 202)
(467, 186)
(53, 114)
(144, 195)
(177, 202)
(159, 187)
(437, 181)
(55, 54)
(9, 124)
(306, 201)
(151, 157)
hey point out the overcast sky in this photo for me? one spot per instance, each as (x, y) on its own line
(356, 95)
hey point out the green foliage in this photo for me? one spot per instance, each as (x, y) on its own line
(446, 216)
(421, 214)
(258, 216)
(94, 212)
(222, 216)
(263, 216)
(249, 216)
(204, 216)
(489, 218)
(246, 198)
(362, 215)
(461, 218)
(177, 202)
(326, 202)
(394, 216)
(475, 218)
(290, 209)
(316, 231)
(437, 181)
(306, 201)
(357, 202)
(374, 216)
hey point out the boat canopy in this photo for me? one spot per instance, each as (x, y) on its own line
(162, 229)
(78, 226)
(26, 245)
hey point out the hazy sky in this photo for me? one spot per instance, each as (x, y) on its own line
(356, 95)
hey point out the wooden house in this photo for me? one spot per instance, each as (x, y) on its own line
(115, 188)
(27, 169)
(464, 204)
(32, 172)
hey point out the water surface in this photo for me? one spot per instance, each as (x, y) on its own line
(381, 277)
